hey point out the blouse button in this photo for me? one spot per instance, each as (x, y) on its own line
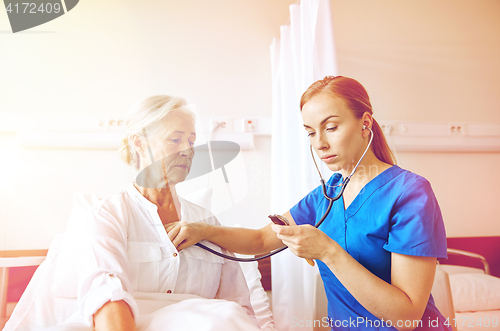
(175, 254)
(169, 291)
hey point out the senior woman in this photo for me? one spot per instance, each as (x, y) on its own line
(126, 256)
(160, 128)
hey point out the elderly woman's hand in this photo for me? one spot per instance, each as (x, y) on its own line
(184, 234)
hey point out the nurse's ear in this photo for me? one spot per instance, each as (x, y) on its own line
(367, 121)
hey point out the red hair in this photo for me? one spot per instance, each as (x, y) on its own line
(357, 100)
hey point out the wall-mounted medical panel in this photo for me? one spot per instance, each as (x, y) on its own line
(450, 136)
(106, 132)
(483, 130)
(69, 140)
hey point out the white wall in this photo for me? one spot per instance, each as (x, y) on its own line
(105, 55)
(432, 60)
(102, 57)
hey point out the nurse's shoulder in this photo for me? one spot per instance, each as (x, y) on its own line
(413, 192)
(412, 181)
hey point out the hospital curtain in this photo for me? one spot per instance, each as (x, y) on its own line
(303, 54)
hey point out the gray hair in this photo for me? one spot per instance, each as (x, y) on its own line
(145, 119)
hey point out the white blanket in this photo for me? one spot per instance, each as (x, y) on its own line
(180, 312)
(39, 310)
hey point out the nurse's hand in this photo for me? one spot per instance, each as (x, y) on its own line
(184, 234)
(306, 241)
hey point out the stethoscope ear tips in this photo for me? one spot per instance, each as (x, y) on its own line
(364, 127)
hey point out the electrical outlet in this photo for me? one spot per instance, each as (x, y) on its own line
(110, 124)
(116, 124)
(250, 125)
(456, 129)
(221, 125)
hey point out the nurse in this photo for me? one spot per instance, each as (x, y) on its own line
(377, 249)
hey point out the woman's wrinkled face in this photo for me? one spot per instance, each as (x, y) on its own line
(173, 144)
(334, 132)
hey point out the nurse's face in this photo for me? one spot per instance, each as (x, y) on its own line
(334, 132)
(174, 145)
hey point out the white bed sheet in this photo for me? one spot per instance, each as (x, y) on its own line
(157, 311)
(476, 320)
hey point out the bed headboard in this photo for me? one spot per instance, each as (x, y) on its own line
(489, 247)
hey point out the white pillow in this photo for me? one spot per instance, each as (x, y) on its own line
(258, 297)
(475, 292)
(451, 269)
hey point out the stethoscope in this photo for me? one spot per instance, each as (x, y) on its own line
(283, 221)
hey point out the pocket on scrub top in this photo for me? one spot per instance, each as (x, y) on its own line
(144, 261)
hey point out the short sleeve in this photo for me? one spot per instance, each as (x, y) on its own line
(305, 211)
(416, 225)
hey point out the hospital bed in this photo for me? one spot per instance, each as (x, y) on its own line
(471, 294)
(258, 297)
(469, 297)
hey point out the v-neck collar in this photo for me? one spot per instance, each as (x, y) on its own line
(153, 209)
(380, 180)
(134, 192)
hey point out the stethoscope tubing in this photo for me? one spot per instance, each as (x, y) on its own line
(328, 209)
(241, 259)
(253, 259)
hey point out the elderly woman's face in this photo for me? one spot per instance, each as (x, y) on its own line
(173, 144)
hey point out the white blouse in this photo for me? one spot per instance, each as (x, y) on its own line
(126, 249)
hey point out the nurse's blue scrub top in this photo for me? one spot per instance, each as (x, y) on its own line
(395, 212)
